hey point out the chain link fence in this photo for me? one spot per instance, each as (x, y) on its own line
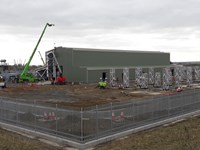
(92, 123)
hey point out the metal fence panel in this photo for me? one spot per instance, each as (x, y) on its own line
(91, 123)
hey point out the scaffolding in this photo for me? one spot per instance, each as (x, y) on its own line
(144, 81)
(113, 82)
(126, 77)
(138, 74)
(53, 67)
(178, 76)
(196, 73)
(189, 76)
(151, 76)
(157, 79)
(167, 78)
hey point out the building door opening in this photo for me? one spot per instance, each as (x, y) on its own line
(103, 76)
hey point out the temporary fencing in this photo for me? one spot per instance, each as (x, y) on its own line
(86, 124)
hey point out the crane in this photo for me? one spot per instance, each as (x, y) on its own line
(25, 76)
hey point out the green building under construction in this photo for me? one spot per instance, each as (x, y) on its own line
(89, 65)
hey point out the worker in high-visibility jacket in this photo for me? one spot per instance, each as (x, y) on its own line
(102, 84)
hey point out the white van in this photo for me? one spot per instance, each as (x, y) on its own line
(2, 82)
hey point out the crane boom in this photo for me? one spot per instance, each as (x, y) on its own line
(27, 77)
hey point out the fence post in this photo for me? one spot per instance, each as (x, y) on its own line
(1, 109)
(35, 114)
(111, 116)
(97, 121)
(5, 110)
(81, 124)
(196, 101)
(133, 112)
(152, 107)
(168, 98)
(56, 120)
(16, 111)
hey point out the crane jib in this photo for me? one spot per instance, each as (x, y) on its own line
(27, 77)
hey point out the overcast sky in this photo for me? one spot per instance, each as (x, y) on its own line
(159, 25)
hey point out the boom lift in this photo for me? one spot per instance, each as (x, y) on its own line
(25, 76)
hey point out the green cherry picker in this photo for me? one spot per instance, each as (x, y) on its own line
(25, 76)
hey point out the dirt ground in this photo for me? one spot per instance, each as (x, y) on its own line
(82, 95)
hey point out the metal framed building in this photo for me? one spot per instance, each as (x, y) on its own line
(88, 65)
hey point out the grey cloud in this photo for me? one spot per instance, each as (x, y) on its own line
(82, 17)
(100, 13)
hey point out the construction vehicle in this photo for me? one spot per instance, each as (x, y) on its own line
(28, 77)
(60, 80)
(2, 82)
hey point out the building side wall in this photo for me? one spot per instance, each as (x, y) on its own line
(71, 71)
(76, 62)
(91, 58)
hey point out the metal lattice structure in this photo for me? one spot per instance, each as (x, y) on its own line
(178, 77)
(167, 78)
(144, 81)
(151, 76)
(51, 69)
(113, 77)
(196, 73)
(138, 74)
(189, 76)
(183, 74)
(126, 77)
(157, 79)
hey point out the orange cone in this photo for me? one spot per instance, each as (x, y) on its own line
(49, 116)
(45, 115)
(122, 117)
(53, 116)
(113, 116)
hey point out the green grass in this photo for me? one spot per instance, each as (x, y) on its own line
(13, 141)
(180, 136)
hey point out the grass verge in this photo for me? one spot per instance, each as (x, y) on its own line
(179, 136)
(14, 141)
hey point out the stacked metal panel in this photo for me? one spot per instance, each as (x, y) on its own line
(196, 73)
(189, 76)
(177, 77)
(126, 77)
(157, 79)
(144, 81)
(138, 74)
(151, 76)
(113, 77)
(167, 78)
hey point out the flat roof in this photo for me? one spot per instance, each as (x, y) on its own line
(111, 50)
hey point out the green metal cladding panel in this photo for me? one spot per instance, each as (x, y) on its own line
(89, 58)
(75, 61)
(72, 72)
